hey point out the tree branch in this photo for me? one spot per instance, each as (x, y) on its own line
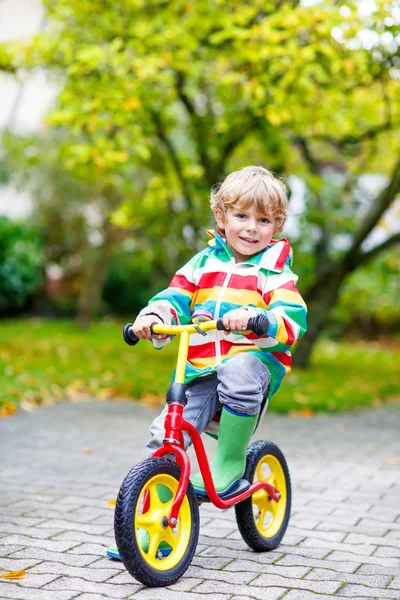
(377, 209)
(365, 257)
(174, 158)
(351, 140)
(322, 246)
(354, 257)
(198, 130)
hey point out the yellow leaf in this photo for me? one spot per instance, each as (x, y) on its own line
(389, 460)
(86, 450)
(7, 409)
(272, 116)
(111, 503)
(14, 575)
(132, 103)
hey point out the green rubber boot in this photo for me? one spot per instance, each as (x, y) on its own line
(229, 463)
(164, 494)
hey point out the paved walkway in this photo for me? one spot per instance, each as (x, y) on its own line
(61, 465)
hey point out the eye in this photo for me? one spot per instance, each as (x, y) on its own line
(240, 216)
(265, 220)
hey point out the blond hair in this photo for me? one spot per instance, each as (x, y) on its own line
(251, 186)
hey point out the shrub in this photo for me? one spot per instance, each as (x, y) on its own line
(21, 263)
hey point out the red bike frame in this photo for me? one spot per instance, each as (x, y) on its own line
(175, 424)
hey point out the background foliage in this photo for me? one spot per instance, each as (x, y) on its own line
(160, 100)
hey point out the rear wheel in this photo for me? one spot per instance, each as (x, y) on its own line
(152, 552)
(261, 521)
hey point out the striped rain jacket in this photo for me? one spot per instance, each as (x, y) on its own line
(212, 281)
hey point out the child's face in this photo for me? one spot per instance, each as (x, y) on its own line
(247, 231)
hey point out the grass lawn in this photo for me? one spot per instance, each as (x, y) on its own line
(44, 361)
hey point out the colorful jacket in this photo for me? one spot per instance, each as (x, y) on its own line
(212, 281)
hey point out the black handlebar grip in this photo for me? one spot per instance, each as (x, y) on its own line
(259, 325)
(129, 337)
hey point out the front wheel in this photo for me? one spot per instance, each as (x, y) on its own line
(261, 521)
(153, 553)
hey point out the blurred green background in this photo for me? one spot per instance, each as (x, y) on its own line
(154, 103)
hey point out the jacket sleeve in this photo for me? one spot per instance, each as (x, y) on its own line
(286, 312)
(173, 305)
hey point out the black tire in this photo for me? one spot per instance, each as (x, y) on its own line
(132, 555)
(249, 525)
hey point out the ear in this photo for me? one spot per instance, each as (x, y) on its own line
(278, 226)
(220, 218)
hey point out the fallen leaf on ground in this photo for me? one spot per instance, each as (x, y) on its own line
(389, 460)
(7, 409)
(14, 575)
(152, 401)
(111, 503)
(86, 450)
(307, 413)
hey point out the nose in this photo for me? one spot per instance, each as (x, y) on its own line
(251, 225)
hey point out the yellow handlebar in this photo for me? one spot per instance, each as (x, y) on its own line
(178, 329)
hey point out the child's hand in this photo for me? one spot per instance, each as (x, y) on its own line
(141, 327)
(236, 320)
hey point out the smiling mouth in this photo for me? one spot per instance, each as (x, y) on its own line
(249, 240)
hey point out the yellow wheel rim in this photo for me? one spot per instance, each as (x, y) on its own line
(269, 515)
(152, 538)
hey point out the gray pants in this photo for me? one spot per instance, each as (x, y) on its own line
(241, 384)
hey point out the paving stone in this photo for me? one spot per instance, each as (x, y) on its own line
(237, 578)
(76, 560)
(33, 580)
(320, 587)
(354, 538)
(81, 585)
(351, 590)
(87, 573)
(106, 563)
(13, 590)
(98, 549)
(6, 549)
(61, 525)
(166, 594)
(389, 551)
(334, 536)
(363, 549)
(14, 564)
(373, 560)
(340, 566)
(304, 595)
(363, 527)
(92, 597)
(395, 583)
(218, 587)
(19, 521)
(351, 507)
(258, 567)
(33, 532)
(379, 581)
(53, 545)
(370, 569)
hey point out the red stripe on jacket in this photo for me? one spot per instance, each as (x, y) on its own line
(180, 281)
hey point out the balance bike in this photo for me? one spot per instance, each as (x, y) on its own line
(156, 519)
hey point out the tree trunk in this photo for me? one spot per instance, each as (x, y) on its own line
(319, 307)
(95, 276)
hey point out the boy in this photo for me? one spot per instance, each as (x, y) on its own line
(243, 272)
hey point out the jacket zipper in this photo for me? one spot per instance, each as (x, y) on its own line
(217, 309)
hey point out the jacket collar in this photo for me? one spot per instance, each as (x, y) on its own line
(273, 258)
